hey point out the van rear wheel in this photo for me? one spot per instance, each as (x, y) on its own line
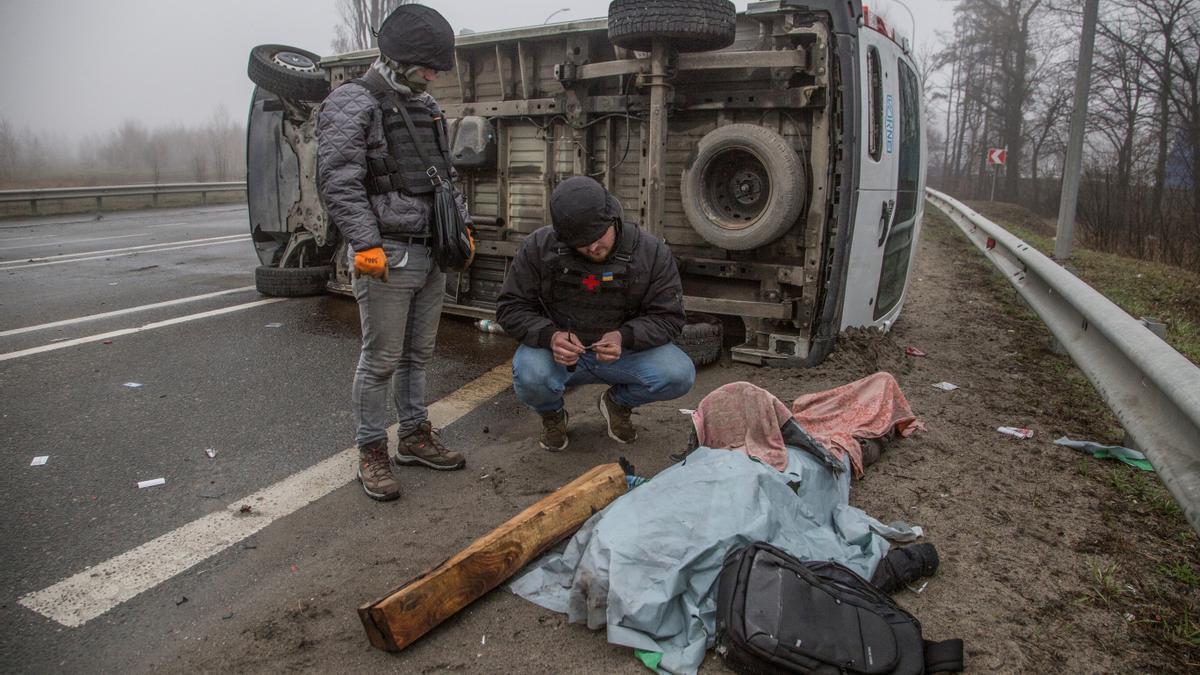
(744, 188)
(291, 282)
(702, 338)
(687, 25)
(289, 72)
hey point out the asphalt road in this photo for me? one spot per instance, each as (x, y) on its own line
(265, 386)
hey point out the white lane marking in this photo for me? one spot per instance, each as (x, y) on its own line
(168, 225)
(129, 331)
(7, 266)
(33, 236)
(127, 310)
(120, 250)
(72, 241)
(78, 599)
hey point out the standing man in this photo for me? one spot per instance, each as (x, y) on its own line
(593, 300)
(374, 185)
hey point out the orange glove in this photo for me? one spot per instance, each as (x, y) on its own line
(471, 238)
(372, 262)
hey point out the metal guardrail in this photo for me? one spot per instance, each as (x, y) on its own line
(101, 191)
(1153, 390)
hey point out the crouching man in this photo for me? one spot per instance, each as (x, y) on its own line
(593, 300)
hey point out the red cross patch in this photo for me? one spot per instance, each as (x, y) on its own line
(591, 282)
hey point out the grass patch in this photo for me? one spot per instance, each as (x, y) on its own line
(1141, 288)
(119, 203)
(1140, 488)
(1180, 571)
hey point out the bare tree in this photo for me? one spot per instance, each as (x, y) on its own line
(359, 21)
(9, 150)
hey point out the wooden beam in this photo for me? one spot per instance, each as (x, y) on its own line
(402, 616)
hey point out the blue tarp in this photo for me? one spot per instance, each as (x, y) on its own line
(645, 568)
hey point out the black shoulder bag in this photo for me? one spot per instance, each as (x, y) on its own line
(451, 241)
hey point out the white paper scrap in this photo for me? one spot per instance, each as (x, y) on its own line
(132, 385)
(211, 452)
(686, 411)
(152, 482)
(38, 461)
(274, 325)
(946, 386)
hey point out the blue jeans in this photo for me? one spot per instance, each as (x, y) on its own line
(658, 374)
(399, 325)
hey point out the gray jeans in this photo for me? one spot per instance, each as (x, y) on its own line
(399, 325)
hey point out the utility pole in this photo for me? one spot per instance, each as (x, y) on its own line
(1073, 167)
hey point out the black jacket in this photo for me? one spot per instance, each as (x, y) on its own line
(656, 294)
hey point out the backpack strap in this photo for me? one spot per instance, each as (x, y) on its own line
(944, 656)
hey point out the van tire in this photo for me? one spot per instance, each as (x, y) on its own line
(291, 282)
(702, 338)
(687, 25)
(737, 158)
(300, 79)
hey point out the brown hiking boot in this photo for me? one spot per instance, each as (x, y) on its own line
(375, 472)
(554, 431)
(424, 446)
(620, 428)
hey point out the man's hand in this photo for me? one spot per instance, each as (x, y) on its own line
(608, 348)
(566, 348)
(372, 262)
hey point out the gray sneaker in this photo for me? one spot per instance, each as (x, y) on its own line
(375, 472)
(424, 446)
(554, 431)
(620, 428)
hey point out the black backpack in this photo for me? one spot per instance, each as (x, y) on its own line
(776, 614)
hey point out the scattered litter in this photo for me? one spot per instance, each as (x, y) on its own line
(686, 411)
(245, 508)
(1016, 432)
(181, 600)
(486, 430)
(913, 351)
(295, 569)
(133, 385)
(484, 476)
(40, 460)
(945, 386)
(1129, 456)
(274, 325)
(59, 339)
(211, 494)
(1129, 617)
(107, 342)
(483, 641)
(152, 482)
(249, 546)
(211, 452)
(112, 283)
(917, 590)
(227, 617)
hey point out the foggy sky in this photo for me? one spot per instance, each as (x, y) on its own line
(70, 68)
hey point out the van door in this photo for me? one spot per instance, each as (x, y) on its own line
(876, 190)
(888, 216)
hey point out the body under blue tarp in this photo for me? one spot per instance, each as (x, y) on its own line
(646, 567)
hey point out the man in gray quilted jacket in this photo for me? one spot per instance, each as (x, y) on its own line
(376, 136)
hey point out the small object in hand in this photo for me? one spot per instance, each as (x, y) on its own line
(913, 351)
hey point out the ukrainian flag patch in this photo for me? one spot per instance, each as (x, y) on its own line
(607, 276)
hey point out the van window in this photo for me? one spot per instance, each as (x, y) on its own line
(874, 104)
(908, 158)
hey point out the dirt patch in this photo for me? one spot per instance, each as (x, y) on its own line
(1051, 561)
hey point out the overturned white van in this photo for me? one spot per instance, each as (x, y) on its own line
(785, 169)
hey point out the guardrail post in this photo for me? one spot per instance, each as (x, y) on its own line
(203, 198)
(99, 202)
(154, 199)
(33, 206)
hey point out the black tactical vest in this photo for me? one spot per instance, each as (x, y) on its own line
(403, 170)
(591, 299)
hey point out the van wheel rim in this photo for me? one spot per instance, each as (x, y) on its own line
(737, 189)
(293, 61)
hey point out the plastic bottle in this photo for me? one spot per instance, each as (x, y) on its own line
(489, 326)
